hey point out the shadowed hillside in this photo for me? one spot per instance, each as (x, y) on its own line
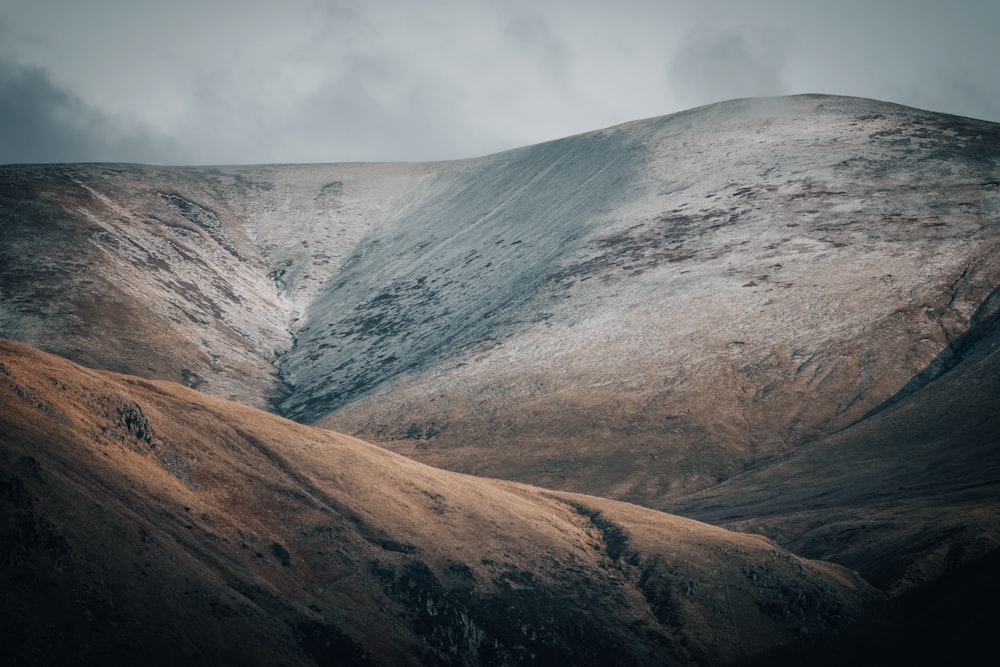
(903, 496)
(145, 522)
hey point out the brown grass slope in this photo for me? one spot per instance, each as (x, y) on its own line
(903, 496)
(909, 497)
(143, 521)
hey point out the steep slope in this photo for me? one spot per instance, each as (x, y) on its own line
(637, 312)
(650, 308)
(904, 496)
(189, 275)
(909, 497)
(144, 521)
(111, 266)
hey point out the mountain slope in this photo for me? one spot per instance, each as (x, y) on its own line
(909, 498)
(144, 521)
(765, 272)
(110, 266)
(903, 496)
(637, 312)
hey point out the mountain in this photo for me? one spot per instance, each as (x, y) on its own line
(145, 522)
(637, 312)
(903, 496)
(778, 316)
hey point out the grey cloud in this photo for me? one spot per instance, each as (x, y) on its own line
(716, 63)
(539, 42)
(952, 89)
(40, 122)
(369, 109)
(318, 80)
(339, 20)
(377, 112)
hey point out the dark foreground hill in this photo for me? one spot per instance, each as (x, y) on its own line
(143, 522)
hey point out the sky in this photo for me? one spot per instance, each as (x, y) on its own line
(249, 82)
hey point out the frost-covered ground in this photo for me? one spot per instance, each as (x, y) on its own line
(721, 281)
(634, 311)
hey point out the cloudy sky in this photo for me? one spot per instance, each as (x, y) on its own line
(245, 81)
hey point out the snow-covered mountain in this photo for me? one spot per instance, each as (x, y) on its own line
(637, 311)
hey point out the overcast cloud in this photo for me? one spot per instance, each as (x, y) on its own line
(715, 63)
(237, 81)
(44, 123)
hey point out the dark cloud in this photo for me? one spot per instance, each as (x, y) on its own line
(716, 63)
(40, 122)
